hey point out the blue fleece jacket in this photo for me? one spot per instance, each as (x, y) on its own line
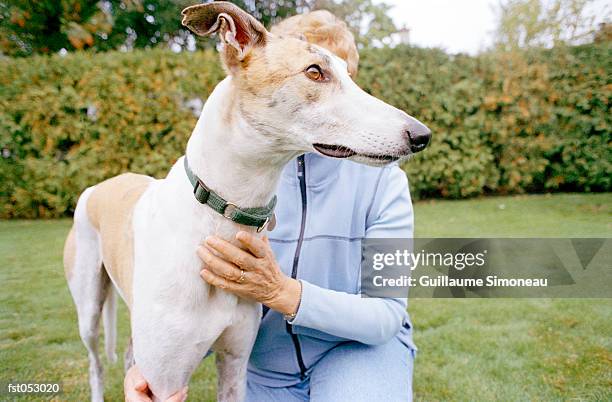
(325, 208)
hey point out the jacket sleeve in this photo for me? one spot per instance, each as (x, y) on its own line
(368, 320)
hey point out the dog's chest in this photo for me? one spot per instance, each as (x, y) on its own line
(167, 267)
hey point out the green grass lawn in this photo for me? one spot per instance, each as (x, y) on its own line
(469, 349)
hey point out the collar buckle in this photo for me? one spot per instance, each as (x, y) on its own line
(263, 225)
(229, 210)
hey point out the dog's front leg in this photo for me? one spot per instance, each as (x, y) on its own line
(232, 351)
(168, 356)
(231, 371)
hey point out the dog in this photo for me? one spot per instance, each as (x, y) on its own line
(137, 236)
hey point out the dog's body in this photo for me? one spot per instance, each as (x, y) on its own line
(143, 234)
(140, 235)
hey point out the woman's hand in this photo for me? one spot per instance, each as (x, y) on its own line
(251, 273)
(136, 388)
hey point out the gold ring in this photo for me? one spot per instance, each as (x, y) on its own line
(241, 279)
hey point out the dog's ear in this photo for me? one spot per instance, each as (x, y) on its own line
(238, 30)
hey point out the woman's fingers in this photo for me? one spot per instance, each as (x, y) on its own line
(254, 244)
(232, 253)
(135, 386)
(135, 380)
(218, 265)
(137, 390)
(218, 281)
(142, 386)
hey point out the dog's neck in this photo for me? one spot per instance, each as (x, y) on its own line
(228, 156)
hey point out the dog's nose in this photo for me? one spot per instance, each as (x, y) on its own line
(418, 135)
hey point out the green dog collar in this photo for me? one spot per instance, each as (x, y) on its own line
(258, 217)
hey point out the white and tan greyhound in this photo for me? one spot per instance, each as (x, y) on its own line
(138, 236)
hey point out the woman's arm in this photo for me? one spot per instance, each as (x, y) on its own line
(371, 321)
(367, 320)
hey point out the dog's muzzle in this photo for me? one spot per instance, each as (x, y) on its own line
(418, 135)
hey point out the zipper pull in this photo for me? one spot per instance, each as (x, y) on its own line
(300, 162)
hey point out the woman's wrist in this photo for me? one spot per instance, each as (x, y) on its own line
(288, 299)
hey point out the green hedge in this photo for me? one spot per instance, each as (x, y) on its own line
(501, 123)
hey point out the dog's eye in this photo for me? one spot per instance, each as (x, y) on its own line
(314, 73)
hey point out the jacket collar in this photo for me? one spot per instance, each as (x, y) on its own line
(320, 170)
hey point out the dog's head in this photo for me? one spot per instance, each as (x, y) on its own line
(301, 96)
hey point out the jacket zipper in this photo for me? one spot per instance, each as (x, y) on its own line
(296, 259)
